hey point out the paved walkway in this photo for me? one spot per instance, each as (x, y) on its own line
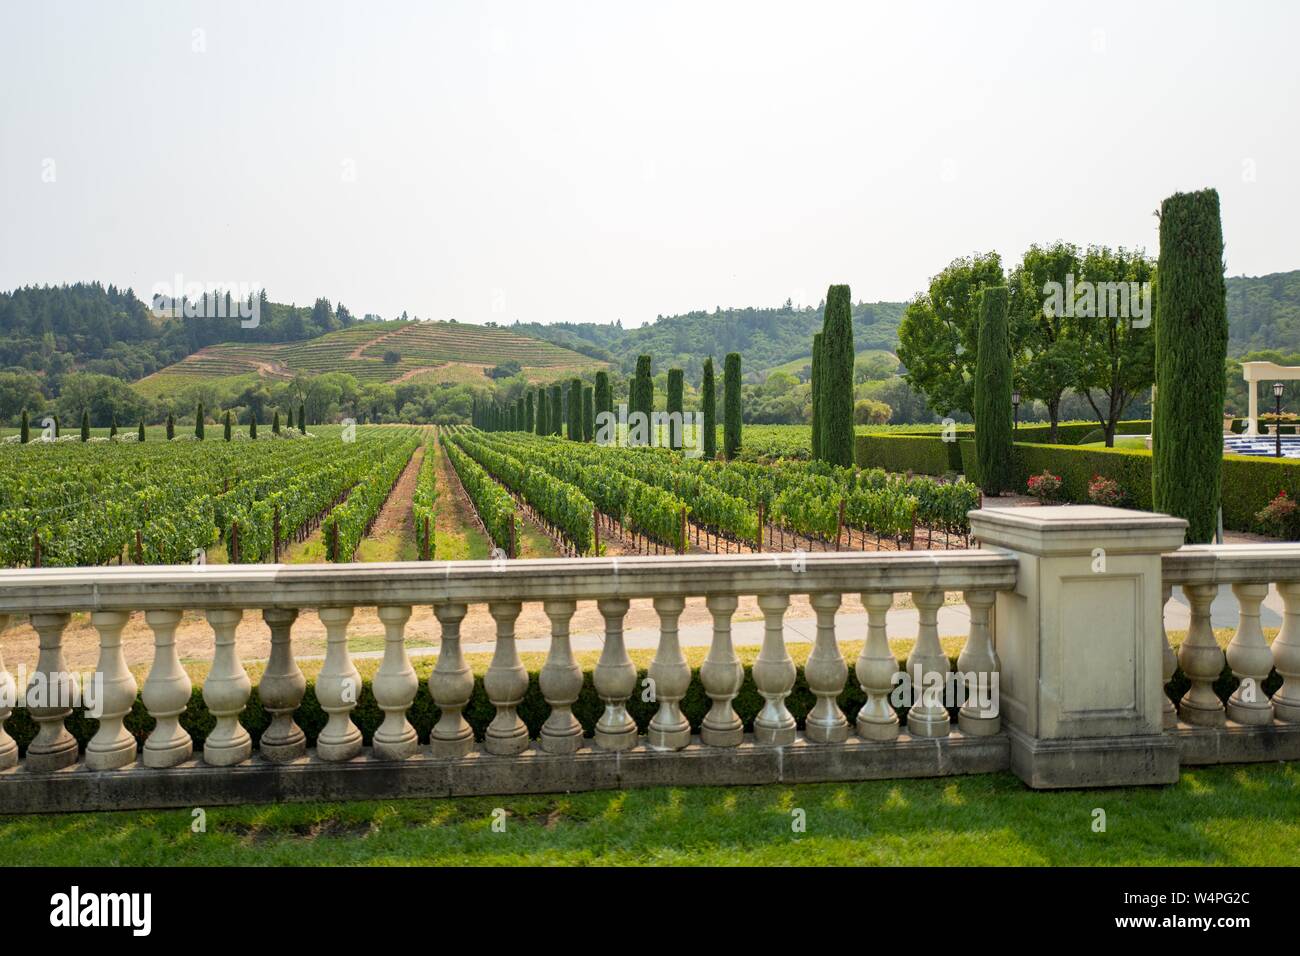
(954, 619)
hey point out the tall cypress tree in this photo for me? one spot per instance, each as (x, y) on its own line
(835, 402)
(604, 398)
(641, 397)
(198, 422)
(275, 423)
(993, 438)
(25, 434)
(140, 431)
(588, 413)
(675, 393)
(290, 424)
(731, 405)
(816, 396)
(228, 427)
(556, 414)
(709, 398)
(85, 425)
(171, 426)
(252, 426)
(575, 409)
(528, 411)
(112, 426)
(302, 418)
(543, 426)
(1191, 329)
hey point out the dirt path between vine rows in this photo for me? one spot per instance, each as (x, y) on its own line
(395, 516)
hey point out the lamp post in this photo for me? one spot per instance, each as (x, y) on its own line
(1015, 405)
(1277, 420)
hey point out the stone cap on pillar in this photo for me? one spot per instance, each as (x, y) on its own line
(1051, 530)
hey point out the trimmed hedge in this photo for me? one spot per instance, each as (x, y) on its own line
(919, 454)
(1249, 481)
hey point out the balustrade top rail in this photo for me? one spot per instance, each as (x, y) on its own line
(1232, 564)
(135, 588)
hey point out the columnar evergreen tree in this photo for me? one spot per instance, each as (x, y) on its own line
(227, 426)
(302, 418)
(140, 431)
(112, 426)
(198, 422)
(519, 415)
(543, 426)
(575, 409)
(275, 422)
(835, 402)
(731, 405)
(816, 396)
(290, 422)
(641, 391)
(56, 425)
(993, 393)
(26, 431)
(85, 425)
(709, 398)
(529, 422)
(588, 413)
(171, 426)
(603, 397)
(1191, 330)
(675, 392)
(252, 426)
(556, 414)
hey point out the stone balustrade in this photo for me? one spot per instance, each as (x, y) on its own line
(1064, 629)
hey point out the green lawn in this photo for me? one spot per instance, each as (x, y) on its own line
(1243, 816)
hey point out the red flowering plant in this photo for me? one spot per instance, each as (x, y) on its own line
(1281, 517)
(1045, 487)
(1105, 491)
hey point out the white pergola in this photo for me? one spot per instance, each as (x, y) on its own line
(1256, 372)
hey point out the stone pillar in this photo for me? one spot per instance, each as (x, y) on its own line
(826, 674)
(338, 687)
(774, 675)
(1286, 655)
(615, 679)
(505, 682)
(669, 729)
(451, 684)
(166, 695)
(875, 669)
(281, 690)
(113, 746)
(395, 686)
(561, 683)
(722, 676)
(1201, 660)
(1250, 659)
(1080, 643)
(928, 668)
(8, 697)
(53, 687)
(226, 692)
(978, 664)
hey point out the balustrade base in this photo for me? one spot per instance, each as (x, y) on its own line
(1127, 761)
(258, 780)
(1236, 743)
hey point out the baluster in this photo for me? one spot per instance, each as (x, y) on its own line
(1169, 664)
(826, 674)
(451, 684)
(113, 746)
(722, 677)
(928, 667)
(166, 694)
(876, 667)
(978, 665)
(506, 682)
(338, 686)
(561, 683)
(615, 679)
(669, 729)
(226, 691)
(53, 687)
(281, 690)
(1201, 661)
(1286, 655)
(395, 686)
(1250, 659)
(774, 675)
(8, 697)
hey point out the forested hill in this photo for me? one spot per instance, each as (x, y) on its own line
(1264, 312)
(765, 337)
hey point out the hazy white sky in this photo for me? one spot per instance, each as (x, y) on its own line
(593, 161)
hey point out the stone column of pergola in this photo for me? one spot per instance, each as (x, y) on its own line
(1256, 372)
